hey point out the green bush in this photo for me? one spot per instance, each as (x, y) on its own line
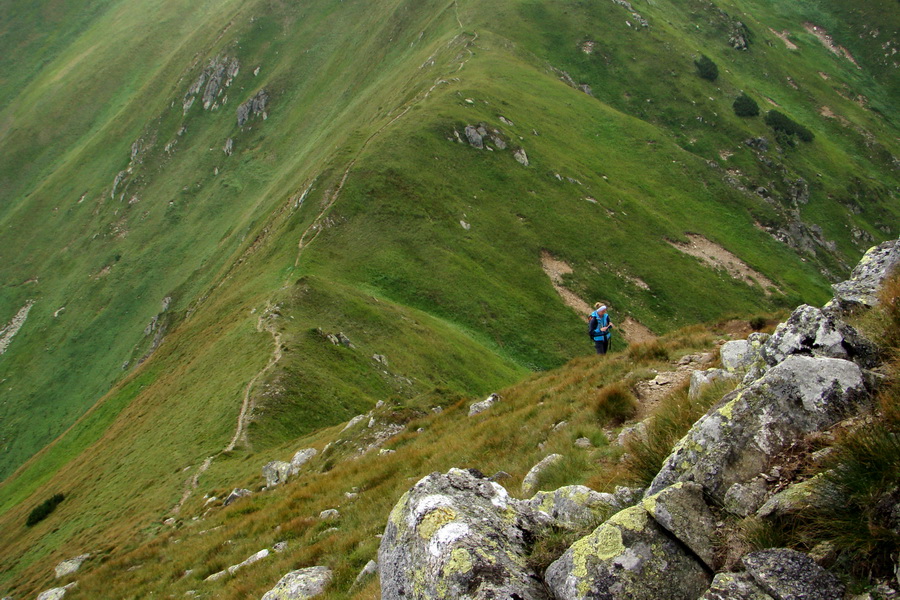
(745, 106)
(783, 124)
(757, 323)
(707, 68)
(43, 510)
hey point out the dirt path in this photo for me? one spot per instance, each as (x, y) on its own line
(14, 325)
(718, 257)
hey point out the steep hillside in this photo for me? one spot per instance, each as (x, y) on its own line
(236, 224)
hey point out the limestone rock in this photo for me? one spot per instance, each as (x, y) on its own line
(575, 506)
(67, 567)
(629, 556)
(331, 514)
(743, 500)
(475, 138)
(733, 442)
(56, 593)
(520, 156)
(790, 575)
(301, 458)
(530, 482)
(480, 407)
(276, 472)
(701, 379)
(458, 535)
(734, 586)
(861, 290)
(740, 355)
(280, 547)
(301, 584)
(236, 494)
(249, 561)
(683, 512)
(583, 442)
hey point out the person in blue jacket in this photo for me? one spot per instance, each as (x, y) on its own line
(599, 327)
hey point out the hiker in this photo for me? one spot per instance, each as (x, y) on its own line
(599, 327)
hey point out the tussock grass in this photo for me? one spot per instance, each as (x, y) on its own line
(615, 404)
(668, 423)
(654, 350)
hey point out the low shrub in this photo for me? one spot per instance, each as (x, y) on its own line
(745, 106)
(787, 127)
(707, 68)
(43, 510)
(648, 351)
(757, 323)
(615, 404)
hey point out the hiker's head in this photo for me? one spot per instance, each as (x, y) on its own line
(601, 308)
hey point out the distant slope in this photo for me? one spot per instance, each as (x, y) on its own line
(162, 260)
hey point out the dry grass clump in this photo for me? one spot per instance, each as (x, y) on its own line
(615, 404)
(653, 350)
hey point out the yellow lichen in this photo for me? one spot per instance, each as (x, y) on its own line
(460, 562)
(434, 520)
(634, 518)
(397, 513)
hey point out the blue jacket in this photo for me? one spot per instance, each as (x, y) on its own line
(598, 321)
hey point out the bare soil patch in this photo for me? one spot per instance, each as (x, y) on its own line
(783, 36)
(828, 42)
(718, 257)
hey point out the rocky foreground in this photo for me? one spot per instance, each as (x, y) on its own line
(460, 534)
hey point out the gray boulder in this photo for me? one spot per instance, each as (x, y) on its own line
(479, 407)
(56, 593)
(790, 575)
(740, 355)
(520, 156)
(276, 472)
(861, 290)
(458, 535)
(301, 458)
(745, 499)
(367, 571)
(475, 138)
(733, 442)
(67, 567)
(236, 494)
(532, 478)
(683, 512)
(734, 586)
(629, 556)
(575, 506)
(301, 584)
(794, 498)
(252, 107)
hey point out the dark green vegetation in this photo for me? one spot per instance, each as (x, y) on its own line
(42, 510)
(745, 106)
(173, 281)
(785, 128)
(706, 68)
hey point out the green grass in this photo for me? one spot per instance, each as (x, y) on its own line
(458, 313)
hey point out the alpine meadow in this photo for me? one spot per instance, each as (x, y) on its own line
(231, 230)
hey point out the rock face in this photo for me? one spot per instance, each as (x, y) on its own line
(630, 556)
(734, 441)
(236, 494)
(276, 472)
(67, 567)
(301, 458)
(790, 575)
(301, 584)
(701, 379)
(458, 535)
(55, 593)
(681, 510)
(861, 290)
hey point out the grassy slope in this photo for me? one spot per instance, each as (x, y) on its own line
(474, 302)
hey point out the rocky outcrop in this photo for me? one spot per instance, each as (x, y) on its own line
(701, 379)
(277, 472)
(683, 512)
(861, 290)
(734, 586)
(458, 535)
(213, 80)
(253, 107)
(236, 494)
(234, 568)
(67, 567)
(301, 458)
(630, 556)
(301, 584)
(56, 593)
(736, 439)
(790, 575)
